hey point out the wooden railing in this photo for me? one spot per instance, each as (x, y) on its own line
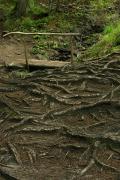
(71, 35)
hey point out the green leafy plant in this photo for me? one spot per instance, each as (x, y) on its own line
(108, 42)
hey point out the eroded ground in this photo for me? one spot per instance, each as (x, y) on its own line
(61, 124)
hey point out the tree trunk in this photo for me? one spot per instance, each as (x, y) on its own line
(58, 5)
(21, 8)
(2, 20)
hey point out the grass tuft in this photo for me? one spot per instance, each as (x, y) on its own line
(108, 42)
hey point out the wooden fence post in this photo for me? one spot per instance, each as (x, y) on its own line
(72, 51)
(25, 53)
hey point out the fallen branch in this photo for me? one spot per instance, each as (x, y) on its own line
(35, 33)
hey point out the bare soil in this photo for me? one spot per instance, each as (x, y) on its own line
(12, 49)
(60, 124)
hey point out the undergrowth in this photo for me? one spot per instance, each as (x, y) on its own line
(91, 18)
(108, 42)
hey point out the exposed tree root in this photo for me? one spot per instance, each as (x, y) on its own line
(15, 153)
(63, 120)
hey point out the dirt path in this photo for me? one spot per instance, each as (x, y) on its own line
(60, 124)
(12, 49)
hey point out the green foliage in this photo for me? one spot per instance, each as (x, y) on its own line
(44, 43)
(38, 10)
(100, 4)
(103, 11)
(40, 46)
(27, 23)
(109, 41)
(65, 25)
(92, 18)
(20, 74)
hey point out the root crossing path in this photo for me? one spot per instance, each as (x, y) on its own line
(61, 124)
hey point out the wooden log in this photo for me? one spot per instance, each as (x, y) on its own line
(37, 63)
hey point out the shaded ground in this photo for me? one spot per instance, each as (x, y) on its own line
(12, 49)
(61, 124)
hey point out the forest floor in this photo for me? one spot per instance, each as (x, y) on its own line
(60, 124)
(12, 49)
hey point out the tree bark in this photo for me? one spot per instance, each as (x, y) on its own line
(2, 20)
(20, 8)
